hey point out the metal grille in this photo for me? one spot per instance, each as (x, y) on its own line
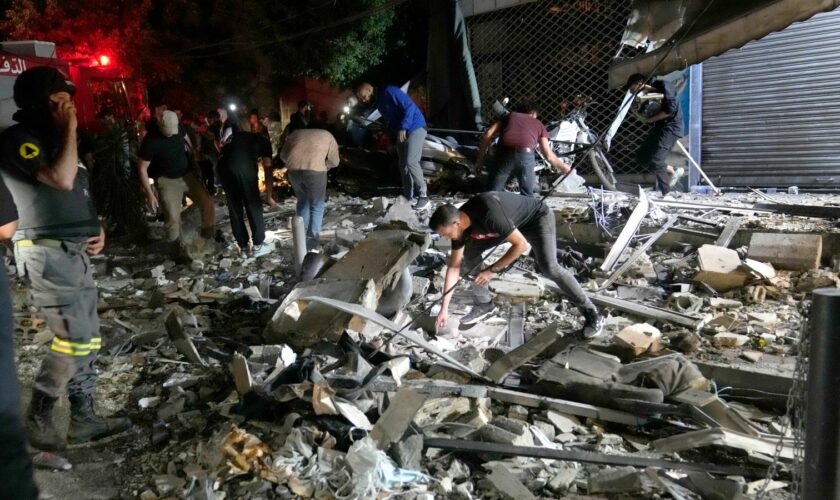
(771, 108)
(550, 51)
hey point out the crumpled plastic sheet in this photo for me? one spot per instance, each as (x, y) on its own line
(362, 473)
(371, 472)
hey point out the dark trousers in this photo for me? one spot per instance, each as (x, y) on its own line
(208, 175)
(311, 192)
(242, 190)
(15, 466)
(653, 155)
(542, 235)
(510, 163)
(63, 288)
(410, 153)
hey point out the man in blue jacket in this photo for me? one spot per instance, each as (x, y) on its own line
(406, 122)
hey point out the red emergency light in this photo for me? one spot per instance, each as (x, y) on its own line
(104, 60)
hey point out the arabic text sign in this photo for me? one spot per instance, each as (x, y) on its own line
(10, 65)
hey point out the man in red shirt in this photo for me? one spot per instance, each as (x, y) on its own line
(519, 134)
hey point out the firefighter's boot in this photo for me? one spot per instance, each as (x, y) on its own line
(86, 425)
(40, 426)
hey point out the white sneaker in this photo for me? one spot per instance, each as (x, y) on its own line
(263, 249)
(675, 178)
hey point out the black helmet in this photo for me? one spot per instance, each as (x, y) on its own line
(34, 86)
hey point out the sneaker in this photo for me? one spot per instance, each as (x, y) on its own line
(593, 325)
(423, 204)
(675, 178)
(478, 313)
(262, 249)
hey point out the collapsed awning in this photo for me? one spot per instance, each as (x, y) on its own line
(722, 26)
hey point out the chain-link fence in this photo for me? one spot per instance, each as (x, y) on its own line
(551, 52)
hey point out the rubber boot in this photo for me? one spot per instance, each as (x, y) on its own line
(86, 425)
(178, 252)
(39, 425)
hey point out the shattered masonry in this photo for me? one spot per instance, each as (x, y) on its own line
(244, 382)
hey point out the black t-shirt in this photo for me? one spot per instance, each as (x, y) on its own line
(670, 105)
(166, 155)
(243, 152)
(44, 212)
(8, 211)
(496, 214)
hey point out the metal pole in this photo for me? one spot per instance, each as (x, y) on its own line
(299, 239)
(694, 163)
(822, 423)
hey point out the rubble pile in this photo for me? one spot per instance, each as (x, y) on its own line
(247, 380)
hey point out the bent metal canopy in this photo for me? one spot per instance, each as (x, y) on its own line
(686, 32)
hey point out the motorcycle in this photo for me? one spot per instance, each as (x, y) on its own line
(571, 136)
(369, 166)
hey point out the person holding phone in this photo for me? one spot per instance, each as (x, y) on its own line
(57, 232)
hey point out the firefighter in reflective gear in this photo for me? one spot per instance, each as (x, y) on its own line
(57, 232)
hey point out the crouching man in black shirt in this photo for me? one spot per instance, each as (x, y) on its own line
(487, 220)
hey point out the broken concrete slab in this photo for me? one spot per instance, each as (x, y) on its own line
(508, 485)
(722, 437)
(728, 339)
(762, 270)
(722, 282)
(719, 268)
(241, 374)
(301, 325)
(517, 287)
(366, 313)
(645, 311)
(717, 259)
(392, 424)
(381, 256)
(497, 434)
(524, 353)
(615, 480)
(182, 341)
(563, 423)
(685, 302)
(638, 338)
(795, 252)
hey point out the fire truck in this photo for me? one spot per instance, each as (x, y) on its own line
(102, 86)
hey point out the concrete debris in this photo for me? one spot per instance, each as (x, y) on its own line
(639, 338)
(244, 380)
(615, 480)
(796, 252)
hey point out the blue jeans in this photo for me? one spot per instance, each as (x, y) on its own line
(509, 163)
(311, 191)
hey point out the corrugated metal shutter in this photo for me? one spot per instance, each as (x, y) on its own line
(771, 110)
